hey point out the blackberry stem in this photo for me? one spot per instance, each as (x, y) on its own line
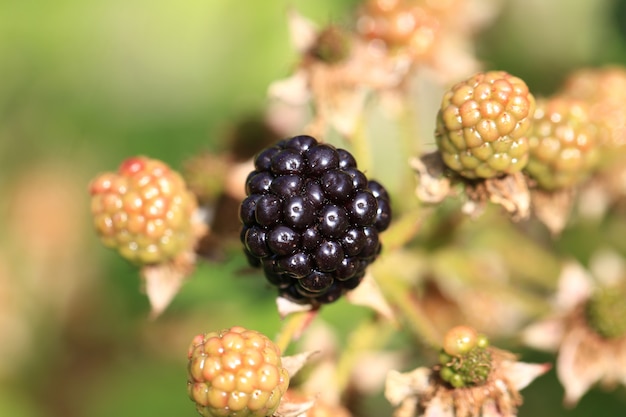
(399, 296)
(403, 230)
(293, 327)
(369, 335)
(361, 148)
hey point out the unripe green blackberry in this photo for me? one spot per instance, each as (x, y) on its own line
(465, 359)
(235, 373)
(606, 312)
(563, 143)
(312, 220)
(482, 123)
(144, 210)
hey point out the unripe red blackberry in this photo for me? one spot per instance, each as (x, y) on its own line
(235, 373)
(482, 123)
(144, 210)
(564, 143)
(311, 219)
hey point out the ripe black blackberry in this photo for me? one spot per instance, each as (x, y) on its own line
(311, 219)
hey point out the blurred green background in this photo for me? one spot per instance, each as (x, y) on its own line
(86, 83)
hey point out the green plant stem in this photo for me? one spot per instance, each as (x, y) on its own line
(293, 327)
(399, 296)
(403, 229)
(368, 336)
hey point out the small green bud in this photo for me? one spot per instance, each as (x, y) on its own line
(446, 373)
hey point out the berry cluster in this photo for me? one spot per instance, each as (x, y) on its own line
(145, 211)
(311, 219)
(235, 372)
(464, 359)
(482, 123)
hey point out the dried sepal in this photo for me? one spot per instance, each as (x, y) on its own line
(336, 90)
(433, 185)
(290, 405)
(422, 392)
(286, 307)
(553, 208)
(294, 409)
(295, 363)
(586, 353)
(302, 31)
(509, 191)
(368, 294)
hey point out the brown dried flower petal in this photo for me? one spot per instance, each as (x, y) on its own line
(433, 186)
(423, 393)
(338, 91)
(294, 363)
(286, 307)
(368, 294)
(510, 191)
(163, 281)
(584, 357)
(553, 208)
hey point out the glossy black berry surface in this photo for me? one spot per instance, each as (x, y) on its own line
(311, 219)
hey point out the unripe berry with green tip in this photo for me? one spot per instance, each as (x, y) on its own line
(144, 210)
(564, 143)
(235, 373)
(482, 123)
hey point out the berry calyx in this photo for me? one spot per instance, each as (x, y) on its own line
(144, 210)
(312, 220)
(482, 123)
(235, 373)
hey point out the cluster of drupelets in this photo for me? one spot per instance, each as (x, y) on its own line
(310, 220)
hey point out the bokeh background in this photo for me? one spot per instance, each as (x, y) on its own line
(86, 83)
